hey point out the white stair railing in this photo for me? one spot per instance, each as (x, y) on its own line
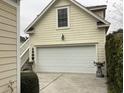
(24, 52)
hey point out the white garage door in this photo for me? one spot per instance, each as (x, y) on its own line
(66, 59)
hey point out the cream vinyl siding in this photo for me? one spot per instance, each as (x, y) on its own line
(7, 46)
(83, 29)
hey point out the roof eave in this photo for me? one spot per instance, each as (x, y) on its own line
(95, 9)
(102, 26)
(39, 16)
(88, 11)
(101, 7)
(73, 1)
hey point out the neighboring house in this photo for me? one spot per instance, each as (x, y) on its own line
(68, 37)
(8, 46)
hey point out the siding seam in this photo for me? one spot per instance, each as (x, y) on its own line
(8, 12)
(8, 18)
(8, 37)
(8, 50)
(8, 76)
(7, 63)
(7, 24)
(7, 44)
(7, 70)
(7, 31)
(8, 57)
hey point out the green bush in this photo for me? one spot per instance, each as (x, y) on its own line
(114, 58)
(29, 82)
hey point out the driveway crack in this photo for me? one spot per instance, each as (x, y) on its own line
(51, 82)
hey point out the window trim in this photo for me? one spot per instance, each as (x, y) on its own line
(68, 13)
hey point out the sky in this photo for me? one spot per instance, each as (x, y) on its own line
(29, 10)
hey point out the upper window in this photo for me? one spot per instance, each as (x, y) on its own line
(63, 17)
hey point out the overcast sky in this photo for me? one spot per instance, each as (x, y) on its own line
(29, 9)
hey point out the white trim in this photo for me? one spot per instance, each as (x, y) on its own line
(97, 58)
(98, 8)
(68, 45)
(105, 66)
(35, 58)
(24, 52)
(68, 14)
(30, 32)
(91, 13)
(11, 3)
(24, 43)
(18, 49)
(73, 1)
(103, 26)
(35, 53)
(30, 53)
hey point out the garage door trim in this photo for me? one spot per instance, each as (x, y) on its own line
(67, 45)
(61, 45)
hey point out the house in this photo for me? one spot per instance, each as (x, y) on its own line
(68, 37)
(8, 46)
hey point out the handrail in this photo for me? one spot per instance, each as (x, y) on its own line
(24, 58)
(24, 52)
(24, 43)
(24, 46)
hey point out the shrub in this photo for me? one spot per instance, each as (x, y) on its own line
(29, 82)
(114, 58)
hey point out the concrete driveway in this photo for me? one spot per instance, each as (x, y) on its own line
(71, 83)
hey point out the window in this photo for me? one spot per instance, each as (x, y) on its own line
(62, 17)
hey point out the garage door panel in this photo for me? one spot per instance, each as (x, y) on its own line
(66, 59)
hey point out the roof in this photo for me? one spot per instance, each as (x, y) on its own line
(86, 9)
(99, 7)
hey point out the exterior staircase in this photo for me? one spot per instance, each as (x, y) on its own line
(24, 54)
